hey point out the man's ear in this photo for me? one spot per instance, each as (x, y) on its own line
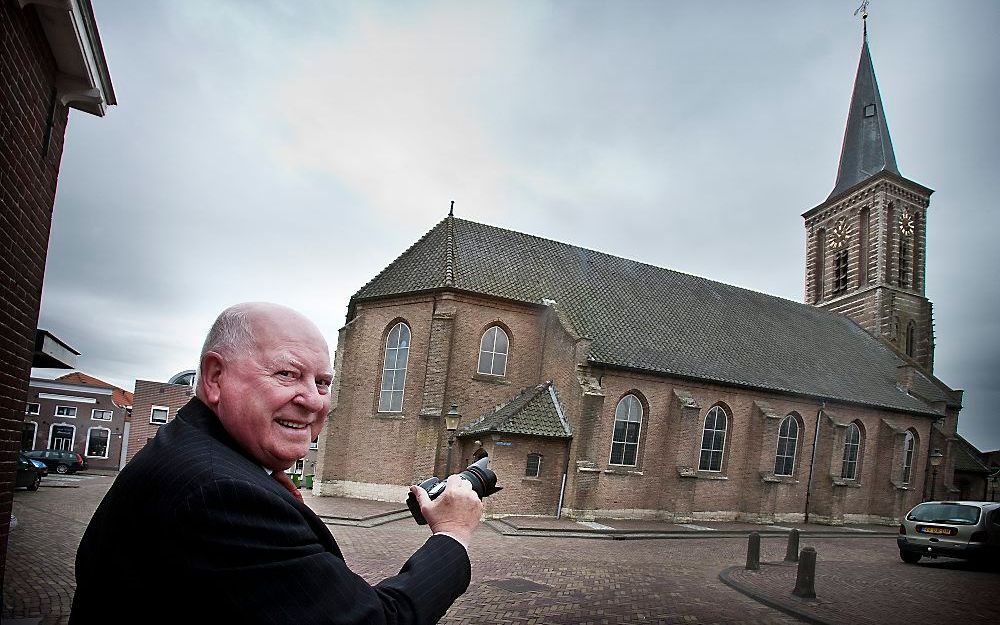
(213, 366)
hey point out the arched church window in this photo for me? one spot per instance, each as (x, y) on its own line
(911, 338)
(628, 422)
(840, 272)
(493, 351)
(820, 264)
(907, 457)
(852, 453)
(713, 440)
(788, 439)
(533, 468)
(397, 352)
(904, 262)
(863, 246)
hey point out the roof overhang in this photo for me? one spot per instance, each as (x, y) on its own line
(882, 175)
(929, 412)
(83, 81)
(52, 353)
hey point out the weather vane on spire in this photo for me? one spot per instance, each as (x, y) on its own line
(863, 10)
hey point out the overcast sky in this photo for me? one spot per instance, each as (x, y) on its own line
(288, 151)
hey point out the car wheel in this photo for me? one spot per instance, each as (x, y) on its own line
(910, 557)
(36, 483)
(62, 468)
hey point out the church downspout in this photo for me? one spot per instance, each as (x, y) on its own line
(562, 489)
(812, 459)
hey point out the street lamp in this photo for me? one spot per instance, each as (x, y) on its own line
(451, 424)
(994, 481)
(935, 459)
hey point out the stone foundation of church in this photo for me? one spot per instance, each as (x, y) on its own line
(360, 490)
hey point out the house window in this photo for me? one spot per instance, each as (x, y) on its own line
(101, 415)
(840, 272)
(493, 348)
(159, 414)
(534, 466)
(907, 457)
(852, 448)
(66, 411)
(628, 420)
(713, 440)
(61, 437)
(97, 442)
(911, 338)
(32, 408)
(314, 444)
(397, 351)
(28, 432)
(788, 438)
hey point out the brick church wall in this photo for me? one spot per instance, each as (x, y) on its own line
(27, 191)
(376, 455)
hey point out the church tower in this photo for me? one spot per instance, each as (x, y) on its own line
(866, 243)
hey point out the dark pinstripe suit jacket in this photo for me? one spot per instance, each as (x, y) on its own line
(194, 531)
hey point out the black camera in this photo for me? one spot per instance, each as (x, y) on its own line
(483, 480)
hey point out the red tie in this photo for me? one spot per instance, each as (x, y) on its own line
(281, 478)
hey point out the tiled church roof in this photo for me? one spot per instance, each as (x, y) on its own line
(867, 148)
(533, 412)
(653, 319)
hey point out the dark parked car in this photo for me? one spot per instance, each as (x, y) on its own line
(38, 463)
(59, 460)
(959, 529)
(28, 474)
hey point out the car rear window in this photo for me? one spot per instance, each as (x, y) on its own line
(950, 513)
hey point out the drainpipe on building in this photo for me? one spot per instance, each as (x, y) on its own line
(562, 489)
(812, 459)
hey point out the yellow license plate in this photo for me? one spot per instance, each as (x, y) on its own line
(936, 530)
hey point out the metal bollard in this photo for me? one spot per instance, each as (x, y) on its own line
(753, 552)
(805, 578)
(792, 552)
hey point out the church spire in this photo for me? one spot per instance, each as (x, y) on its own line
(867, 148)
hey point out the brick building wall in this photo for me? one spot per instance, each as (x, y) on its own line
(28, 173)
(75, 410)
(370, 454)
(166, 398)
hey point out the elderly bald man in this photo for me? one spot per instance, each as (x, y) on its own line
(196, 529)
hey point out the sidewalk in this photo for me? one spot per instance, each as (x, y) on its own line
(615, 529)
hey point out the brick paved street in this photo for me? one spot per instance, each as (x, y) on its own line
(559, 580)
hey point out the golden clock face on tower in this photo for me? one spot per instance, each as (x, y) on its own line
(906, 222)
(840, 234)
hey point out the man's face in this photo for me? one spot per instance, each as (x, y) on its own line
(274, 400)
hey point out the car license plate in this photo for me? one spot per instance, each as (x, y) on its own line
(943, 531)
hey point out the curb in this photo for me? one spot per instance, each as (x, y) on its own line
(372, 520)
(788, 607)
(506, 529)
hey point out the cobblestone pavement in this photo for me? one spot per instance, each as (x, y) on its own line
(528, 579)
(935, 591)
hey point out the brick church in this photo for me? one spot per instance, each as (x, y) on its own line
(602, 387)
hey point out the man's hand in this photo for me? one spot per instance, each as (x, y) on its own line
(455, 512)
